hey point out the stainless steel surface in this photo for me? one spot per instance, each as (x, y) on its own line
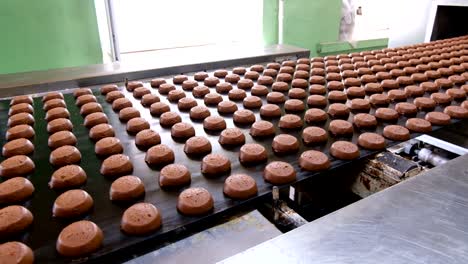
(154, 64)
(216, 243)
(443, 144)
(421, 220)
(428, 156)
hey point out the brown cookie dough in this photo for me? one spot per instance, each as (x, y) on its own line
(252, 102)
(149, 99)
(126, 188)
(19, 165)
(20, 108)
(197, 146)
(215, 165)
(275, 98)
(340, 128)
(89, 108)
(175, 95)
(140, 92)
(244, 117)
(114, 95)
(438, 118)
(20, 131)
(79, 239)
(338, 110)
(159, 155)
(186, 103)
(441, 98)
(317, 89)
(372, 88)
(108, 88)
(169, 119)
(94, 119)
(20, 119)
(396, 132)
(294, 105)
(285, 144)
(61, 138)
(265, 80)
(20, 146)
(397, 95)
(456, 93)
(315, 115)
(231, 137)
(174, 175)
(21, 99)
(252, 153)
(232, 78)
(386, 114)
(371, 141)
(200, 91)
(312, 160)
(214, 123)
(418, 125)
(65, 155)
(84, 99)
(128, 113)
(155, 83)
(223, 88)
(116, 165)
(179, 79)
(131, 86)
(52, 95)
(147, 138)
(72, 203)
(136, 125)
(262, 129)
(199, 112)
(364, 121)
(406, 109)
(314, 135)
(14, 190)
(200, 76)
(279, 172)
(188, 85)
(317, 101)
(108, 146)
(16, 252)
(53, 104)
(121, 103)
(290, 121)
(359, 105)
(211, 81)
(337, 97)
(195, 201)
(344, 150)
(294, 93)
(158, 108)
(140, 219)
(212, 99)
(59, 124)
(227, 107)
(270, 111)
(240, 186)
(69, 176)
(14, 219)
(100, 131)
(182, 131)
(237, 95)
(457, 112)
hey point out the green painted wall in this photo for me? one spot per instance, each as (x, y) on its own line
(270, 22)
(47, 34)
(309, 22)
(341, 47)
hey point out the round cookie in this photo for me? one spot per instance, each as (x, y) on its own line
(244, 117)
(59, 124)
(182, 131)
(315, 115)
(227, 107)
(252, 102)
(457, 112)
(199, 112)
(158, 108)
(270, 111)
(20, 146)
(148, 99)
(364, 121)
(58, 112)
(338, 110)
(279, 172)
(52, 95)
(371, 141)
(19, 165)
(418, 125)
(21, 99)
(215, 164)
(61, 138)
(406, 109)
(14, 219)
(344, 150)
(214, 123)
(121, 103)
(396, 132)
(140, 92)
(108, 88)
(69, 176)
(84, 99)
(131, 86)
(20, 119)
(16, 253)
(314, 135)
(126, 188)
(174, 175)
(175, 95)
(223, 88)
(101, 131)
(200, 91)
(140, 219)
(136, 125)
(20, 108)
(94, 119)
(262, 129)
(197, 146)
(14, 190)
(116, 165)
(294, 105)
(441, 98)
(169, 119)
(195, 201)
(79, 239)
(147, 138)
(128, 113)
(65, 155)
(386, 114)
(20, 131)
(252, 153)
(72, 203)
(231, 137)
(53, 104)
(159, 155)
(340, 128)
(155, 83)
(186, 103)
(108, 146)
(285, 144)
(290, 121)
(240, 186)
(312, 160)
(114, 95)
(438, 118)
